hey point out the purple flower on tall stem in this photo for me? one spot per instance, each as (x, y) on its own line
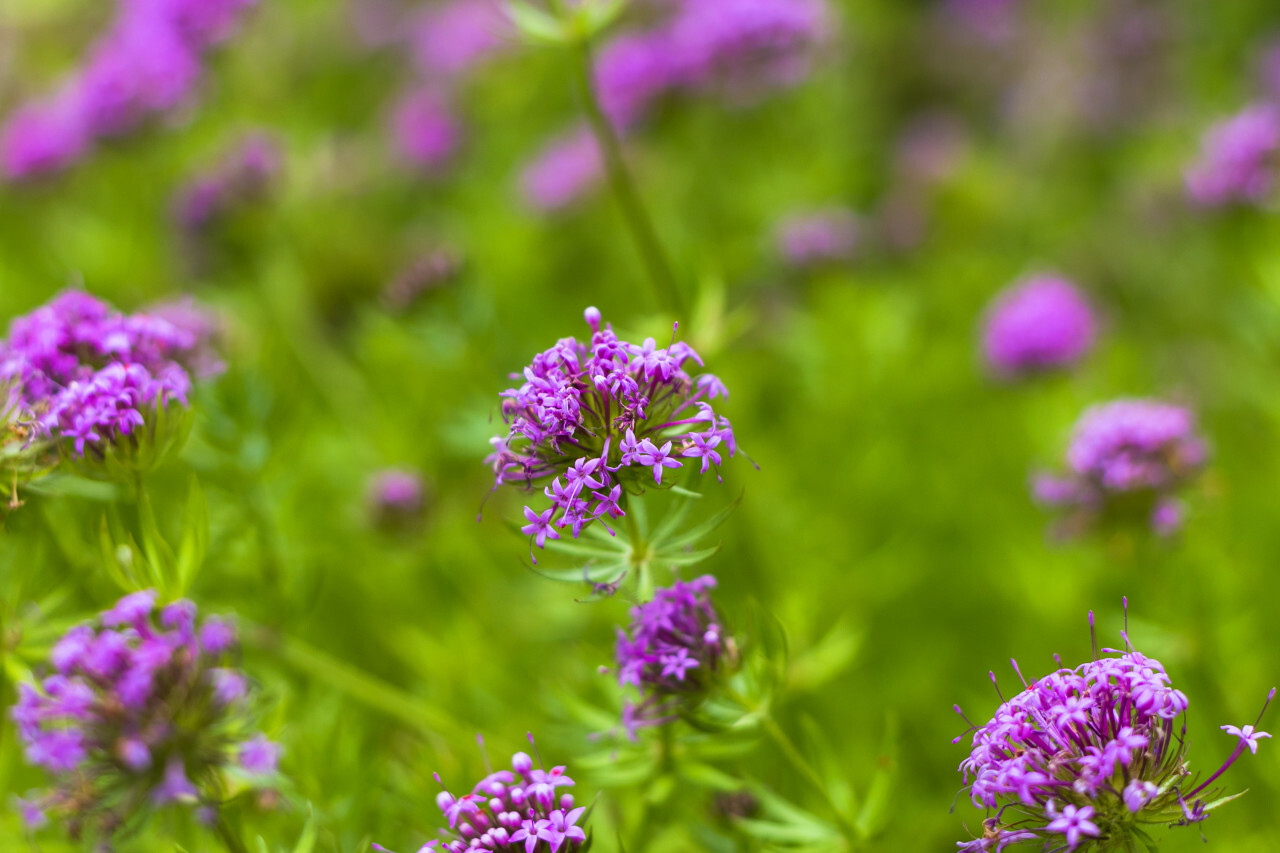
(515, 811)
(137, 711)
(675, 649)
(1127, 459)
(1082, 756)
(1040, 324)
(597, 420)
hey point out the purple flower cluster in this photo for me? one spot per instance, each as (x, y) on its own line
(1041, 323)
(1084, 754)
(1128, 456)
(1238, 159)
(147, 64)
(602, 418)
(92, 375)
(675, 648)
(820, 237)
(511, 810)
(243, 176)
(141, 709)
(739, 49)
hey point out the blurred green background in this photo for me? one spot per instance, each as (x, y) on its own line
(889, 526)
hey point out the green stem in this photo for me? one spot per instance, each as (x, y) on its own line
(805, 769)
(624, 190)
(229, 837)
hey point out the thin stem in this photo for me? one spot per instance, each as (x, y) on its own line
(805, 769)
(229, 837)
(637, 218)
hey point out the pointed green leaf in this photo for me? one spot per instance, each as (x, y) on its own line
(695, 533)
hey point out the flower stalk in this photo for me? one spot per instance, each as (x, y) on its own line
(623, 187)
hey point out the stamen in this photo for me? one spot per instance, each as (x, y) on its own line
(992, 675)
(1019, 672)
(535, 751)
(1093, 636)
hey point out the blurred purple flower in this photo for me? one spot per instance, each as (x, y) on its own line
(1041, 323)
(426, 132)
(1238, 159)
(631, 72)
(995, 22)
(135, 685)
(454, 37)
(1128, 455)
(819, 237)
(92, 373)
(745, 47)
(146, 64)
(243, 175)
(563, 172)
(44, 136)
(674, 650)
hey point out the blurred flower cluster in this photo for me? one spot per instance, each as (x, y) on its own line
(1127, 459)
(674, 650)
(147, 64)
(143, 709)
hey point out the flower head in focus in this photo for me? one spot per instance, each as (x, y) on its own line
(1127, 458)
(1083, 757)
(597, 420)
(1040, 324)
(143, 708)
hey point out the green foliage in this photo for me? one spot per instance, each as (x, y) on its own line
(882, 559)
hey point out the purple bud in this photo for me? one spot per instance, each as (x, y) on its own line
(592, 316)
(522, 763)
(134, 754)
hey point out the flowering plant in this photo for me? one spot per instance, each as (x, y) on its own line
(142, 709)
(513, 810)
(1092, 755)
(602, 421)
(109, 389)
(1127, 458)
